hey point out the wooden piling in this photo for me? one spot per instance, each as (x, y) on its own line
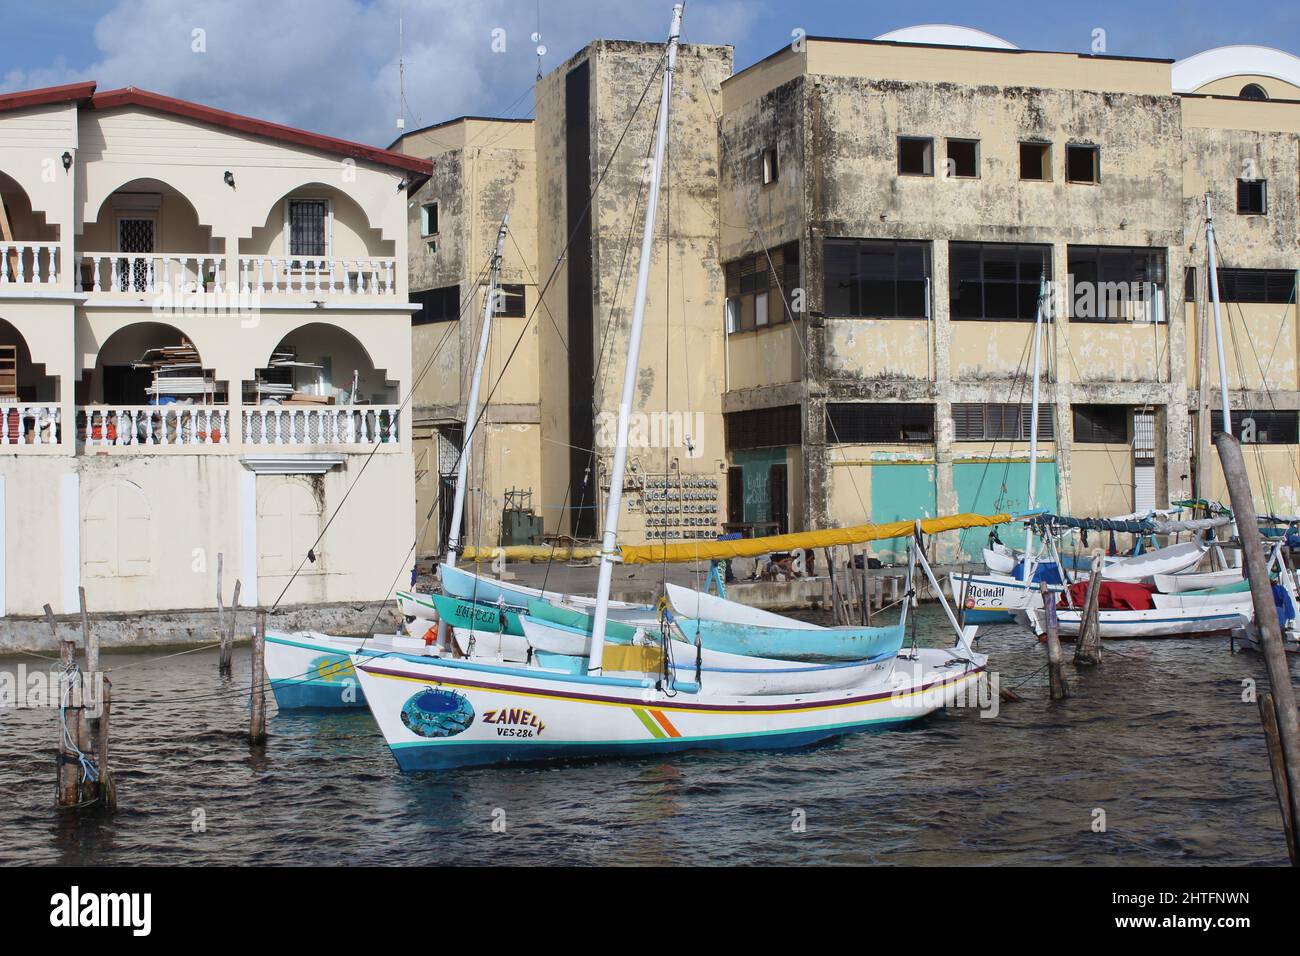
(49, 619)
(837, 606)
(221, 608)
(868, 589)
(1087, 648)
(1268, 717)
(68, 725)
(225, 663)
(257, 712)
(90, 640)
(1266, 622)
(1060, 690)
(107, 787)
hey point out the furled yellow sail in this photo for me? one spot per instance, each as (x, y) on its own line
(676, 552)
(703, 550)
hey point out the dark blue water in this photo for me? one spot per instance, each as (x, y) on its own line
(1158, 738)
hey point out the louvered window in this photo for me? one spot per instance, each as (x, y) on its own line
(1275, 286)
(1102, 424)
(865, 423)
(974, 421)
(764, 428)
(1265, 427)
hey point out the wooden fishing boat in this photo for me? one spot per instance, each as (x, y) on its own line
(846, 643)
(1000, 559)
(1196, 581)
(1153, 623)
(1143, 567)
(1228, 594)
(460, 583)
(687, 602)
(995, 598)
(313, 670)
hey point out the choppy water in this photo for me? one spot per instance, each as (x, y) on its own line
(1158, 738)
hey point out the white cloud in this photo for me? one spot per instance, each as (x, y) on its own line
(331, 65)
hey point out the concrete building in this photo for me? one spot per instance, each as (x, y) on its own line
(204, 346)
(856, 233)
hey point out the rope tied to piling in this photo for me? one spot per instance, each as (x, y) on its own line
(89, 771)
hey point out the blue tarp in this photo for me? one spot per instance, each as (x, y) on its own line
(1048, 573)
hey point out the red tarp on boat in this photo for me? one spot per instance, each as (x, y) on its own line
(1115, 596)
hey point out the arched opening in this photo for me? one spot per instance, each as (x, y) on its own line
(29, 412)
(320, 364)
(1253, 91)
(149, 387)
(317, 238)
(150, 363)
(319, 386)
(30, 243)
(147, 236)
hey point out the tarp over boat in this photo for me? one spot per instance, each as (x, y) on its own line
(702, 550)
(1055, 524)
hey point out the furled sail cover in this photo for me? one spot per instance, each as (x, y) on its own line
(702, 550)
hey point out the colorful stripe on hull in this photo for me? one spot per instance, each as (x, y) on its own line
(316, 695)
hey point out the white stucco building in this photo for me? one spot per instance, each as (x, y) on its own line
(205, 341)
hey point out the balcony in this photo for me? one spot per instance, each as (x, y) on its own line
(149, 273)
(324, 425)
(29, 264)
(153, 426)
(316, 278)
(24, 425)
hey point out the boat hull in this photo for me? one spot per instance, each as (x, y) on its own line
(698, 606)
(819, 644)
(1154, 623)
(445, 714)
(474, 587)
(1177, 583)
(1143, 567)
(314, 671)
(995, 598)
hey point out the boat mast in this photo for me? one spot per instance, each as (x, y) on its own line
(1218, 324)
(471, 407)
(1033, 422)
(609, 539)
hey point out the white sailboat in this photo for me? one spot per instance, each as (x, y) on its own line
(447, 713)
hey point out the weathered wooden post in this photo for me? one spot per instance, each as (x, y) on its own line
(221, 608)
(1266, 622)
(107, 788)
(225, 663)
(257, 712)
(1060, 690)
(49, 619)
(837, 607)
(1087, 648)
(1268, 717)
(91, 641)
(69, 726)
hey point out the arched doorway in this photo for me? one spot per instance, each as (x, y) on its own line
(29, 398)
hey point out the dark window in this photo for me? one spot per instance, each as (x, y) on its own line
(1265, 427)
(996, 281)
(510, 303)
(1275, 286)
(1082, 163)
(864, 423)
(429, 219)
(771, 171)
(764, 428)
(1036, 161)
(436, 305)
(980, 422)
(964, 158)
(1189, 284)
(915, 156)
(1116, 283)
(307, 227)
(761, 288)
(876, 278)
(1252, 197)
(1253, 91)
(1101, 424)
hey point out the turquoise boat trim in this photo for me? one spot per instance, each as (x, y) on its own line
(829, 644)
(295, 694)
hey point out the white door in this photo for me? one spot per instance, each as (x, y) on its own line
(1144, 461)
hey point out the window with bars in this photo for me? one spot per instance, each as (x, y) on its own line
(1116, 283)
(876, 278)
(308, 232)
(1266, 426)
(977, 421)
(755, 286)
(879, 423)
(436, 305)
(764, 428)
(1102, 424)
(1276, 286)
(994, 281)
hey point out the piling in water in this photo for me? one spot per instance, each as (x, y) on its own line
(257, 712)
(1060, 690)
(1087, 648)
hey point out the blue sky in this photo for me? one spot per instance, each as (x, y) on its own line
(331, 65)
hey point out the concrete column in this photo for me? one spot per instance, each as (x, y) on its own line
(248, 537)
(70, 539)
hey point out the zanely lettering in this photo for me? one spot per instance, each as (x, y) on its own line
(103, 909)
(522, 723)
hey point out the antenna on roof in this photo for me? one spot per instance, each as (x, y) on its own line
(537, 38)
(401, 74)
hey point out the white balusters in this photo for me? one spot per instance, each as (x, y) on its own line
(23, 425)
(29, 263)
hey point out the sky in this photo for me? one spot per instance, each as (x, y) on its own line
(331, 66)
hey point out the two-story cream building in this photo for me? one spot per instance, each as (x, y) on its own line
(204, 347)
(840, 320)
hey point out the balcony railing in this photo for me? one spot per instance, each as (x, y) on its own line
(29, 263)
(149, 273)
(153, 425)
(279, 275)
(323, 425)
(22, 425)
